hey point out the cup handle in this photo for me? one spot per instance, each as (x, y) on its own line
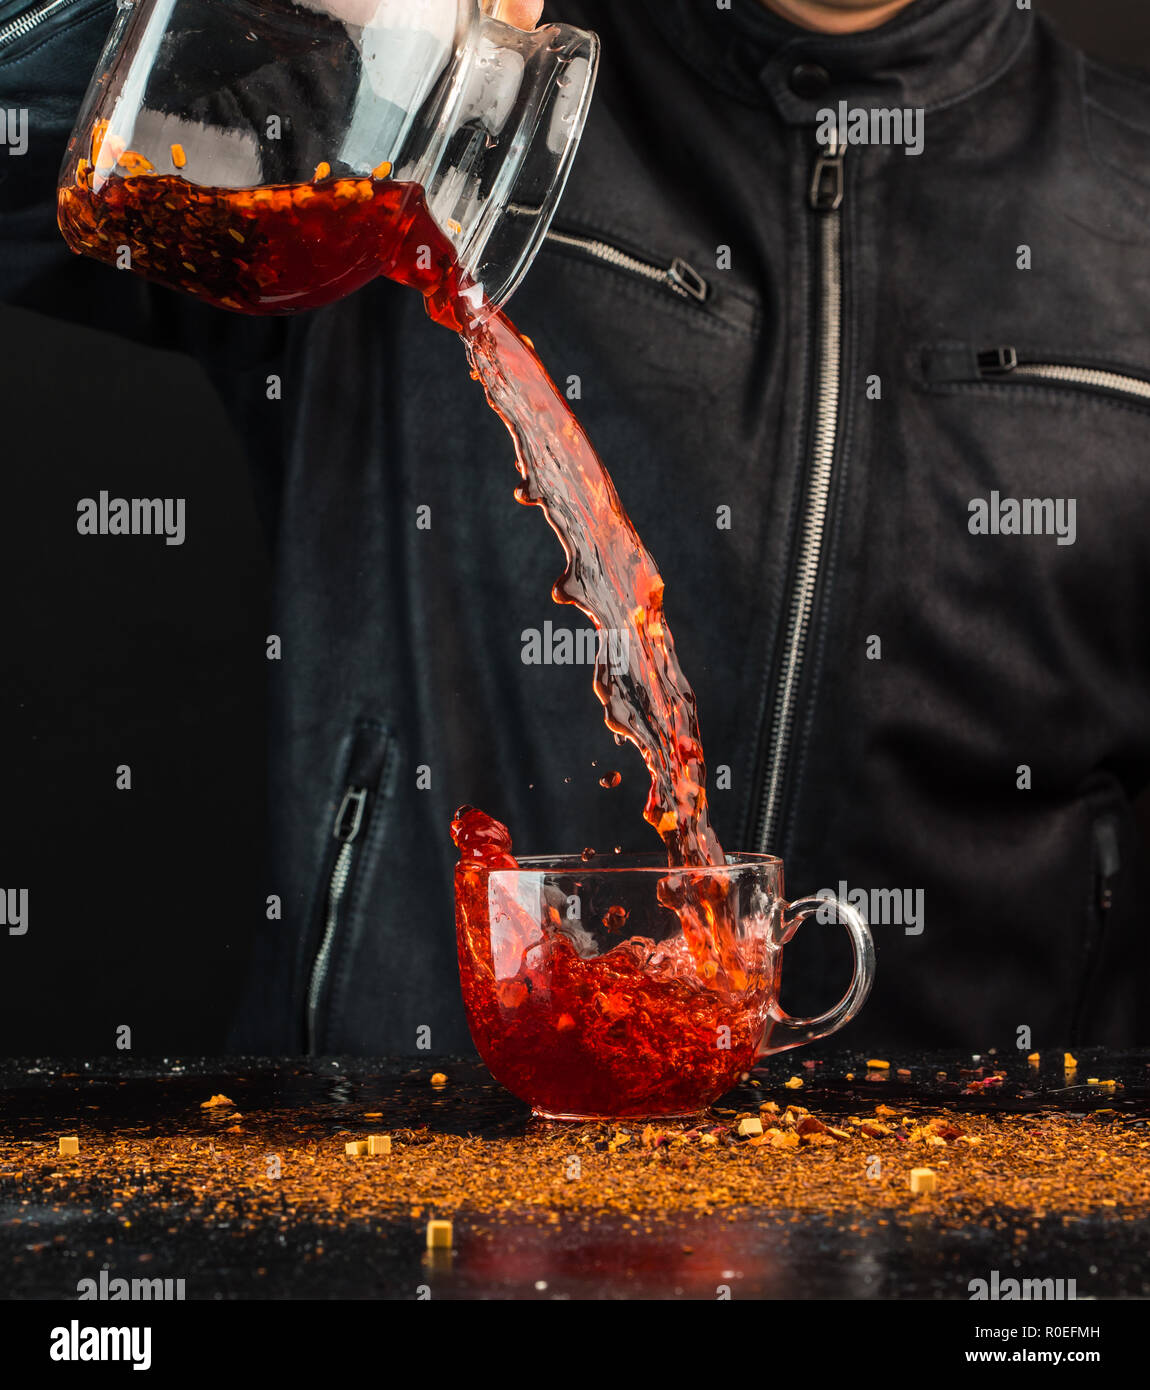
(793, 1032)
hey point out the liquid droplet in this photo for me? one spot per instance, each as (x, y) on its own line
(612, 779)
(587, 855)
(615, 918)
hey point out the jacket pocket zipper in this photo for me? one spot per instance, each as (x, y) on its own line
(366, 781)
(1107, 862)
(348, 824)
(680, 277)
(1004, 363)
(31, 19)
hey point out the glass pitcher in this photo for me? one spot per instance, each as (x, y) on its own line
(270, 156)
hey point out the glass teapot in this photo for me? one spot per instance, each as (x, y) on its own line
(270, 156)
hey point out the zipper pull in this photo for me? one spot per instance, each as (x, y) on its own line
(688, 279)
(827, 184)
(997, 361)
(349, 817)
(1107, 858)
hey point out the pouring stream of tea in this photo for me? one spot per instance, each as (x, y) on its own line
(297, 246)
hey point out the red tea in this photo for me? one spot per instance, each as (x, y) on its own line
(273, 250)
(633, 1031)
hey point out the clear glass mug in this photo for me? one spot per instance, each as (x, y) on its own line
(273, 156)
(586, 1000)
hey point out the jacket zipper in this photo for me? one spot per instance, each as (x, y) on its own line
(827, 190)
(1004, 362)
(1107, 862)
(31, 19)
(680, 277)
(348, 824)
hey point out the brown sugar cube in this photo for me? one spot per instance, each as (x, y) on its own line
(356, 1146)
(379, 1143)
(439, 1235)
(69, 1145)
(750, 1125)
(923, 1180)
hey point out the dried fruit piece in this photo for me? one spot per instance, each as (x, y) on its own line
(923, 1180)
(216, 1100)
(381, 171)
(439, 1234)
(876, 1065)
(794, 1084)
(439, 1078)
(136, 164)
(179, 158)
(322, 171)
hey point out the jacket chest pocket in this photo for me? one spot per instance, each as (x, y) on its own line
(678, 279)
(1014, 368)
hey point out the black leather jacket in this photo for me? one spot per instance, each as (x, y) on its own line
(839, 377)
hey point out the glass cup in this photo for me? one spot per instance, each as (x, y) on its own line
(593, 991)
(274, 155)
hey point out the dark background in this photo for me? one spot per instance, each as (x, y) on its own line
(142, 902)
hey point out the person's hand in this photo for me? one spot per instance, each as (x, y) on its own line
(524, 14)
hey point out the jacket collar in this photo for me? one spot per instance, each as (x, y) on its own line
(933, 54)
